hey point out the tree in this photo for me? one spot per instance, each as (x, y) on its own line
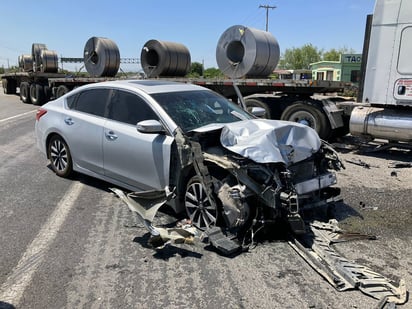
(213, 73)
(331, 55)
(300, 58)
(2, 70)
(334, 54)
(196, 70)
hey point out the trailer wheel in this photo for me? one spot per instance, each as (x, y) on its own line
(309, 115)
(25, 92)
(47, 93)
(37, 94)
(250, 103)
(9, 86)
(61, 90)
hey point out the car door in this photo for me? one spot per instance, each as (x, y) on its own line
(84, 123)
(140, 160)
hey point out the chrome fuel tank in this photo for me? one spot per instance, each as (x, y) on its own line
(393, 125)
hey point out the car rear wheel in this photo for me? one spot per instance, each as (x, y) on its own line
(198, 206)
(59, 155)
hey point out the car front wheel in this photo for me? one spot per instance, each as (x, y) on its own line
(200, 210)
(59, 155)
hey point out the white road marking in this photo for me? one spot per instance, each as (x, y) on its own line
(13, 288)
(17, 116)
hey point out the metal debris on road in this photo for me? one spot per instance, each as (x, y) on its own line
(360, 163)
(399, 165)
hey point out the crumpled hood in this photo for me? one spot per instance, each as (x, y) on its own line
(270, 141)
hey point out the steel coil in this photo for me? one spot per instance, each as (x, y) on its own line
(49, 62)
(101, 57)
(36, 49)
(26, 63)
(243, 51)
(161, 58)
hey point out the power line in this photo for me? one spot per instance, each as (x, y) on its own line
(267, 7)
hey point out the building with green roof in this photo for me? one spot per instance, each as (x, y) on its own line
(347, 69)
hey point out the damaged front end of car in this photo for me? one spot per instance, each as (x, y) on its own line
(248, 174)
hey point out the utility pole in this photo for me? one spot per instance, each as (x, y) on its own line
(267, 7)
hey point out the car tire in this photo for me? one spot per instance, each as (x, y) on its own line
(59, 155)
(310, 115)
(198, 207)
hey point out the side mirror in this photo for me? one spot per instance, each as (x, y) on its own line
(150, 126)
(258, 111)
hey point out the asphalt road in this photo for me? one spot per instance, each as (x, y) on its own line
(72, 244)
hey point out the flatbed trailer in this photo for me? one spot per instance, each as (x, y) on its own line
(281, 99)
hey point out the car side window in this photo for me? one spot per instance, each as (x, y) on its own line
(129, 108)
(92, 101)
(70, 101)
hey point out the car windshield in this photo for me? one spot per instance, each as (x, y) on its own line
(194, 109)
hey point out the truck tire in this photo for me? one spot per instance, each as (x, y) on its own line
(25, 92)
(250, 103)
(47, 93)
(61, 91)
(309, 115)
(9, 86)
(37, 94)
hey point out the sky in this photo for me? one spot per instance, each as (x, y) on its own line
(65, 26)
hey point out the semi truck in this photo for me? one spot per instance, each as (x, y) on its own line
(382, 110)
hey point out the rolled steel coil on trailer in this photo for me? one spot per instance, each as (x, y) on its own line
(49, 62)
(26, 63)
(161, 58)
(36, 49)
(243, 51)
(101, 57)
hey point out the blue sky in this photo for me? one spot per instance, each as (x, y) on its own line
(65, 26)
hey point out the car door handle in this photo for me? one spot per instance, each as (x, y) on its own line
(68, 121)
(110, 135)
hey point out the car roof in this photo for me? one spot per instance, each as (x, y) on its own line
(150, 86)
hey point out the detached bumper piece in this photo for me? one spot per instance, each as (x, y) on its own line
(315, 248)
(221, 242)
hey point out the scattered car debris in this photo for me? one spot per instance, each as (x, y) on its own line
(360, 163)
(399, 165)
(316, 248)
(145, 205)
(363, 206)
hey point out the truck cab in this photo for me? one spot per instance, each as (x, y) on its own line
(387, 87)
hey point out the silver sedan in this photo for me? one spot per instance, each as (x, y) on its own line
(225, 166)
